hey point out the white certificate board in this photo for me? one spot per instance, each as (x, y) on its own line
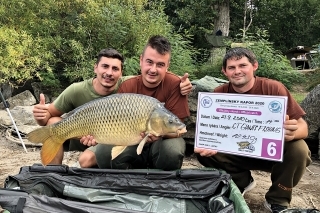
(246, 125)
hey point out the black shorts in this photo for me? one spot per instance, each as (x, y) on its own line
(73, 145)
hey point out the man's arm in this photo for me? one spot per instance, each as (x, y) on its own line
(42, 112)
(185, 85)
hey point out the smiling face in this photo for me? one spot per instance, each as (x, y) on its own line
(153, 66)
(240, 72)
(108, 72)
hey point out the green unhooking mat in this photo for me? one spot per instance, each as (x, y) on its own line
(66, 189)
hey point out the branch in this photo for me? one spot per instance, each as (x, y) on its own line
(244, 20)
(251, 16)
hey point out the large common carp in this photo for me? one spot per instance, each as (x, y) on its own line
(117, 119)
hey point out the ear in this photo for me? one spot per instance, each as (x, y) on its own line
(224, 71)
(255, 66)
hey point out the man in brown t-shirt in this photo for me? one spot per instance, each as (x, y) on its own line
(239, 65)
(161, 152)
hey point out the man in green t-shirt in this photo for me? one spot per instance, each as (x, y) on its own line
(108, 70)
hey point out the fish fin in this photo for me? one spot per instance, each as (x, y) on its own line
(117, 150)
(50, 143)
(37, 136)
(141, 144)
(50, 149)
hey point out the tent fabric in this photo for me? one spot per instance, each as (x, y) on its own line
(185, 190)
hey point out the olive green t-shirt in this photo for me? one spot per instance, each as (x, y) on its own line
(80, 93)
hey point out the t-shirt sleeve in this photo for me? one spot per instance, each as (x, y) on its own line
(64, 102)
(177, 103)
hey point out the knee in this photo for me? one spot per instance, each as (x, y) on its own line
(298, 151)
(87, 159)
(170, 155)
(53, 120)
(174, 148)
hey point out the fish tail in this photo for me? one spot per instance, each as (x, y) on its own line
(50, 143)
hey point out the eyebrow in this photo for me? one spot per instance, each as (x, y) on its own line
(104, 64)
(115, 67)
(158, 63)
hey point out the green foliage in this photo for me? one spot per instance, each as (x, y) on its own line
(196, 17)
(65, 36)
(298, 96)
(132, 66)
(313, 79)
(315, 57)
(181, 58)
(22, 56)
(272, 64)
(289, 22)
(213, 66)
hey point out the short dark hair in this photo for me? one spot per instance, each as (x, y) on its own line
(159, 43)
(238, 53)
(110, 53)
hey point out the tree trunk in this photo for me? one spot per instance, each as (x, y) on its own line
(222, 23)
(222, 19)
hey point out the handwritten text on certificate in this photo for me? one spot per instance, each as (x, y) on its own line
(247, 125)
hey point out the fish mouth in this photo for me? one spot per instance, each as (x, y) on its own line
(182, 129)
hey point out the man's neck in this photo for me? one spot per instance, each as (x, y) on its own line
(148, 85)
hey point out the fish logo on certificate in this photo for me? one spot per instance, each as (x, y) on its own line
(275, 106)
(246, 146)
(206, 102)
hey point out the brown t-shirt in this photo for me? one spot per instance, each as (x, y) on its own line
(265, 86)
(168, 92)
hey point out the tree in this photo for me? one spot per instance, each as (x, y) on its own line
(22, 56)
(248, 8)
(65, 36)
(289, 22)
(222, 17)
(194, 18)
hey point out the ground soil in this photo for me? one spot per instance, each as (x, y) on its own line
(305, 195)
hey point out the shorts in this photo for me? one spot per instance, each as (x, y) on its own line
(75, 145)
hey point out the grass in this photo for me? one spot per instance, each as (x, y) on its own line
(312, 79)
(299, 96)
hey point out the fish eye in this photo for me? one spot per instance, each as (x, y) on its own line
(170, 121)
